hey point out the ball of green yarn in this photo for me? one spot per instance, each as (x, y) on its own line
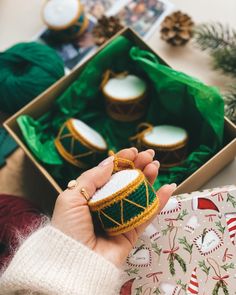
(26, 70)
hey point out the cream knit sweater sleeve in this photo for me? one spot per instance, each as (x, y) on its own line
(49, 262)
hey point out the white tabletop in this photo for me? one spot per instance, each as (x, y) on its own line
(20, 20)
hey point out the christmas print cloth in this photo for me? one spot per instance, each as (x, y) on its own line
(188, 249)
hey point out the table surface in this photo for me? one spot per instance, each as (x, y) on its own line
(20, 20)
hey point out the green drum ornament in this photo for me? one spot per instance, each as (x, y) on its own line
(66, 20)
(124, 202)
(125, 95)
(80, 145)
(169, 142)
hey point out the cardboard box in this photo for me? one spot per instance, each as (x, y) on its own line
(188, 249)
(43, 103)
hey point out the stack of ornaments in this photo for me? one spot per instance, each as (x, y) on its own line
(190, 248)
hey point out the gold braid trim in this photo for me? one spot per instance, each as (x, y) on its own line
(147, 127)
(127, 164)
(137, 220)
(119, 195)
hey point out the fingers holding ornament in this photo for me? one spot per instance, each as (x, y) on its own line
(151, 171)
(123, 200)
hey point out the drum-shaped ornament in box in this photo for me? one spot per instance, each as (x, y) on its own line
(169, 142)
(124, 202)
(80, 145)
(66, 19)
(126, 96)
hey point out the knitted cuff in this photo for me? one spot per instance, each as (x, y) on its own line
(53, 263)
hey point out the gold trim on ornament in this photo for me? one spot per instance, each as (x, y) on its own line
(140, 134)
(83, 27)
(137, 220)
(120, 163)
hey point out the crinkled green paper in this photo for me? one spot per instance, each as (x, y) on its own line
(174, 98)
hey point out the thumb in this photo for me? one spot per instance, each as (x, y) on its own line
(165, 193)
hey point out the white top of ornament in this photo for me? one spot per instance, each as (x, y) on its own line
(60, 13)
(125, 87)
(117, 182)
(91, 135)
(165, 135)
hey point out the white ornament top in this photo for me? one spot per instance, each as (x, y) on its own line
(125, 87)
(60, 14)
(89, 134)
(165, 135)
(117, 182)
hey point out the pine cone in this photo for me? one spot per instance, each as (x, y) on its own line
(176, 28)
(106, 28)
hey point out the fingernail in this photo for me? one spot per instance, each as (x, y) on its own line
(107, 161)
(156, 163)
(134, 149)
(151, 152)
(173, 185)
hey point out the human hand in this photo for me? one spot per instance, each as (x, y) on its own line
(72, 215)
